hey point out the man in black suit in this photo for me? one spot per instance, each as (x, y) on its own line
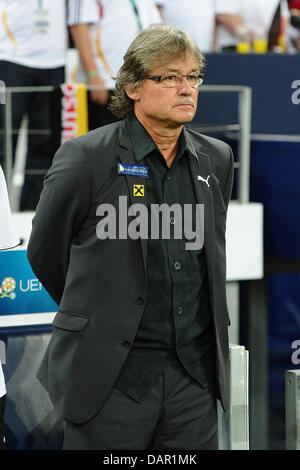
(139, 351)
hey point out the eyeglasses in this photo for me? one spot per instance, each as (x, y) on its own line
(175, 79)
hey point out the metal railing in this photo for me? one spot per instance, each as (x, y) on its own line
(244, 137)
(8, 128)
(234, 423)
(292, 409)
(243, 126)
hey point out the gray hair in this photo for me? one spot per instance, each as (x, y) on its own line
(154, 46)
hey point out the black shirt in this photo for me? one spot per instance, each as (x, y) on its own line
(177, 322)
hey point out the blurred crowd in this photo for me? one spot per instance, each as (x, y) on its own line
(35, 36)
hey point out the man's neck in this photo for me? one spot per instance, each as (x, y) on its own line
(165, 138)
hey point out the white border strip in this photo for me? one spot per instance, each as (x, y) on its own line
(27, 319)
(276, 137)
(268, 137)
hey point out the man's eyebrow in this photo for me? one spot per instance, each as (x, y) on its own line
(178, 71)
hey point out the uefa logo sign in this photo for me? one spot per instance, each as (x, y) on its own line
(7, 288)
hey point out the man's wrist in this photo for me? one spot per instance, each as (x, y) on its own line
(93, 73)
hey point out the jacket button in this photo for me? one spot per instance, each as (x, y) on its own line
(177, 265)
(126, 344)
(140, 301)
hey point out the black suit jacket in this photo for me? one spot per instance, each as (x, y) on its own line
(101, 285)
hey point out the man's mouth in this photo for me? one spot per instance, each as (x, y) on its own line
(185, 105)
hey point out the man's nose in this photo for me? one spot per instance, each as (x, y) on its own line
(185, 87)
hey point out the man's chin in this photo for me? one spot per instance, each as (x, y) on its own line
(178, 119)
(185, 115)
(186, 118)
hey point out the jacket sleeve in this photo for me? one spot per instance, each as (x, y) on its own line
(60, 213)
(227, 188)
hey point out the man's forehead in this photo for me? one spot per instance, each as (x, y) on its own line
(187, 62)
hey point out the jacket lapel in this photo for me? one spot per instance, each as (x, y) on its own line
(126, 155)
(203, 194)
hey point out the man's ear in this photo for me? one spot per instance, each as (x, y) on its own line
(133, 93)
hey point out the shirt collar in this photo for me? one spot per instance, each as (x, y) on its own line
(141, 140)
(189, 144)
(143, 144)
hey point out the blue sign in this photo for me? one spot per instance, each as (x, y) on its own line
(20, 290)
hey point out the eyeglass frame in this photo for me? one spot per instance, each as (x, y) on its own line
(157, 78)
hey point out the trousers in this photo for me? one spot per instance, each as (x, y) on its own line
(99, 114)
(37, 106)
(177, 413)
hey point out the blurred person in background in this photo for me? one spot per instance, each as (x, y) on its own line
(293, 31)
(8, 239)
(198, 20)
(102, 31)
(33, 44)
(247, 20)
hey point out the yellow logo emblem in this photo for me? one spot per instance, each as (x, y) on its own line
(138, 190)
(7, 288)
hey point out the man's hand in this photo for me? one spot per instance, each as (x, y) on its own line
(99, 96)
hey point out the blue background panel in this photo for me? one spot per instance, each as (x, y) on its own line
(21, 292)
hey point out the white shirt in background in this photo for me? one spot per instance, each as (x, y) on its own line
(2, 382)
(256, 14)
(8, 236)
(33, 32)
(195, 17)
(113, 25)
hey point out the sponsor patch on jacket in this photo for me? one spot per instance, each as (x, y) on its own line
(138, 190)
(133, 170)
